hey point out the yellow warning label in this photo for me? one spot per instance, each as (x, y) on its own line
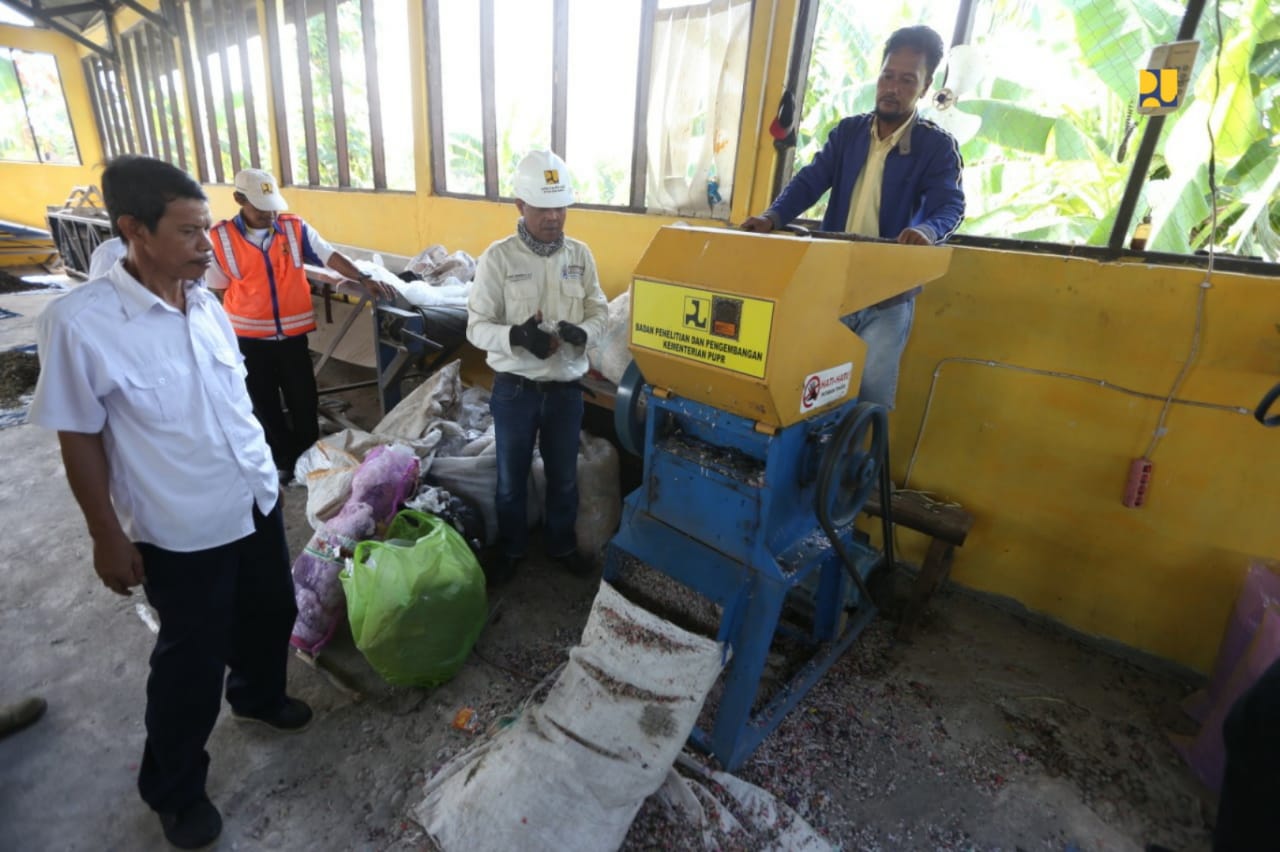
(723, 330)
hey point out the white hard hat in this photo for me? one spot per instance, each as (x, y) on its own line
(542, 180)
(261, 189)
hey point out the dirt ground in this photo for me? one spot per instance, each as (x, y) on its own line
(988, 731)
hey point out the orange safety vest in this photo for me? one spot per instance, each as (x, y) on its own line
(269, 294)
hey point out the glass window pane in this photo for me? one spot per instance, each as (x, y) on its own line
(15, 132)
(604, 41)
(322, 100)
(848, 46)
(395, 91)
(1245, 123)
(1047, 160)
(293, 96)
(34, 79)
(460, 87)
(522, 81)
(355, 94)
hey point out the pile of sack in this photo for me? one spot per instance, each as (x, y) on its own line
(434, 456)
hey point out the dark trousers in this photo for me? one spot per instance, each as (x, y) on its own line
(550, 413)
(278, 367)
(1249, 807)
(229, 607)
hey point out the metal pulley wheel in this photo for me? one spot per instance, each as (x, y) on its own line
(629, 410)
(851, 465)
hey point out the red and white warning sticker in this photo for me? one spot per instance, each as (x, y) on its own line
(825, 386)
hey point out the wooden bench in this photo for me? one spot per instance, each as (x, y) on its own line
(947, 525)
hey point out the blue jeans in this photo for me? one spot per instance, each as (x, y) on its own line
(550, 413)
(885, 331)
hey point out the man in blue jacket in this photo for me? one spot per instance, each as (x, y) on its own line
(891, 175)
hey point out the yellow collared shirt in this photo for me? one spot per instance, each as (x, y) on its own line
(864, 204)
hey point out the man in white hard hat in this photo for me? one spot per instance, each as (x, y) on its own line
(535, 304)
(259, 258)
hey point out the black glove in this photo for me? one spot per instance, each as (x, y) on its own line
(572, 334)
(528, 335)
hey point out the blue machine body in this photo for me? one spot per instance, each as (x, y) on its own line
(729, 510)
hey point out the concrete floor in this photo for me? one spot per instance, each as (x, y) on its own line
(987, 732)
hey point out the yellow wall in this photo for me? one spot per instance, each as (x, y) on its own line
(29, 187)
(1041, 461)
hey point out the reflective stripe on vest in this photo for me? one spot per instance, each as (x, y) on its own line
(268, 294)
(228, 252)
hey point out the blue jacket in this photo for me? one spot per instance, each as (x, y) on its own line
(921, 186)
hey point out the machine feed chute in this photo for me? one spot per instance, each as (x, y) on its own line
(757, 453)
(750, 323)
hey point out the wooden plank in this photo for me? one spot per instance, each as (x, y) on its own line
(129, 67)
(335, 92)
(377, 144)
(211, 120)
(917, 511)
(222, 41)
(184, 74)
(150, 93)
(240, 33)
(488, 101)
(644, 69)
(121, 91)
(52, 23)
(189, 84)
(91, 80)
(937, 565)
(308, 99)
(112, 108)
(276, 67)
(153, 64)
(158, 20)
(559, 76)
(435, 108)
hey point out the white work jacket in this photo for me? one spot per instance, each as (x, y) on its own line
(512, 284)
(186, 458)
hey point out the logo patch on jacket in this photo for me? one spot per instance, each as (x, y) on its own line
(573, 270)
(520, 276)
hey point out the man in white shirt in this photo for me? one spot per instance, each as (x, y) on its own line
(141, 378)
(535, 303)
(104, 257)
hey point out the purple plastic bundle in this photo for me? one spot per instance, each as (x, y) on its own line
(385, 479)
(1206, 753)
(316, 587)
(1261, 590)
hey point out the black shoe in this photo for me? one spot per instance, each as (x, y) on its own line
(498, 567)
(193, 827)
(291, 717)
(574, 563)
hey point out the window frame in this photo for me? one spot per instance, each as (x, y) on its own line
(26, 107)
(1138, 175)
(278, 14)
(636, 202)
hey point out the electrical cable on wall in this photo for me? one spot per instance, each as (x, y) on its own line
(1194, 352)
(1053, 374)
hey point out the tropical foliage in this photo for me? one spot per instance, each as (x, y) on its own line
(1044, 92)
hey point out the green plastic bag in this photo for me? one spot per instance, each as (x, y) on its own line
(415, 606)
